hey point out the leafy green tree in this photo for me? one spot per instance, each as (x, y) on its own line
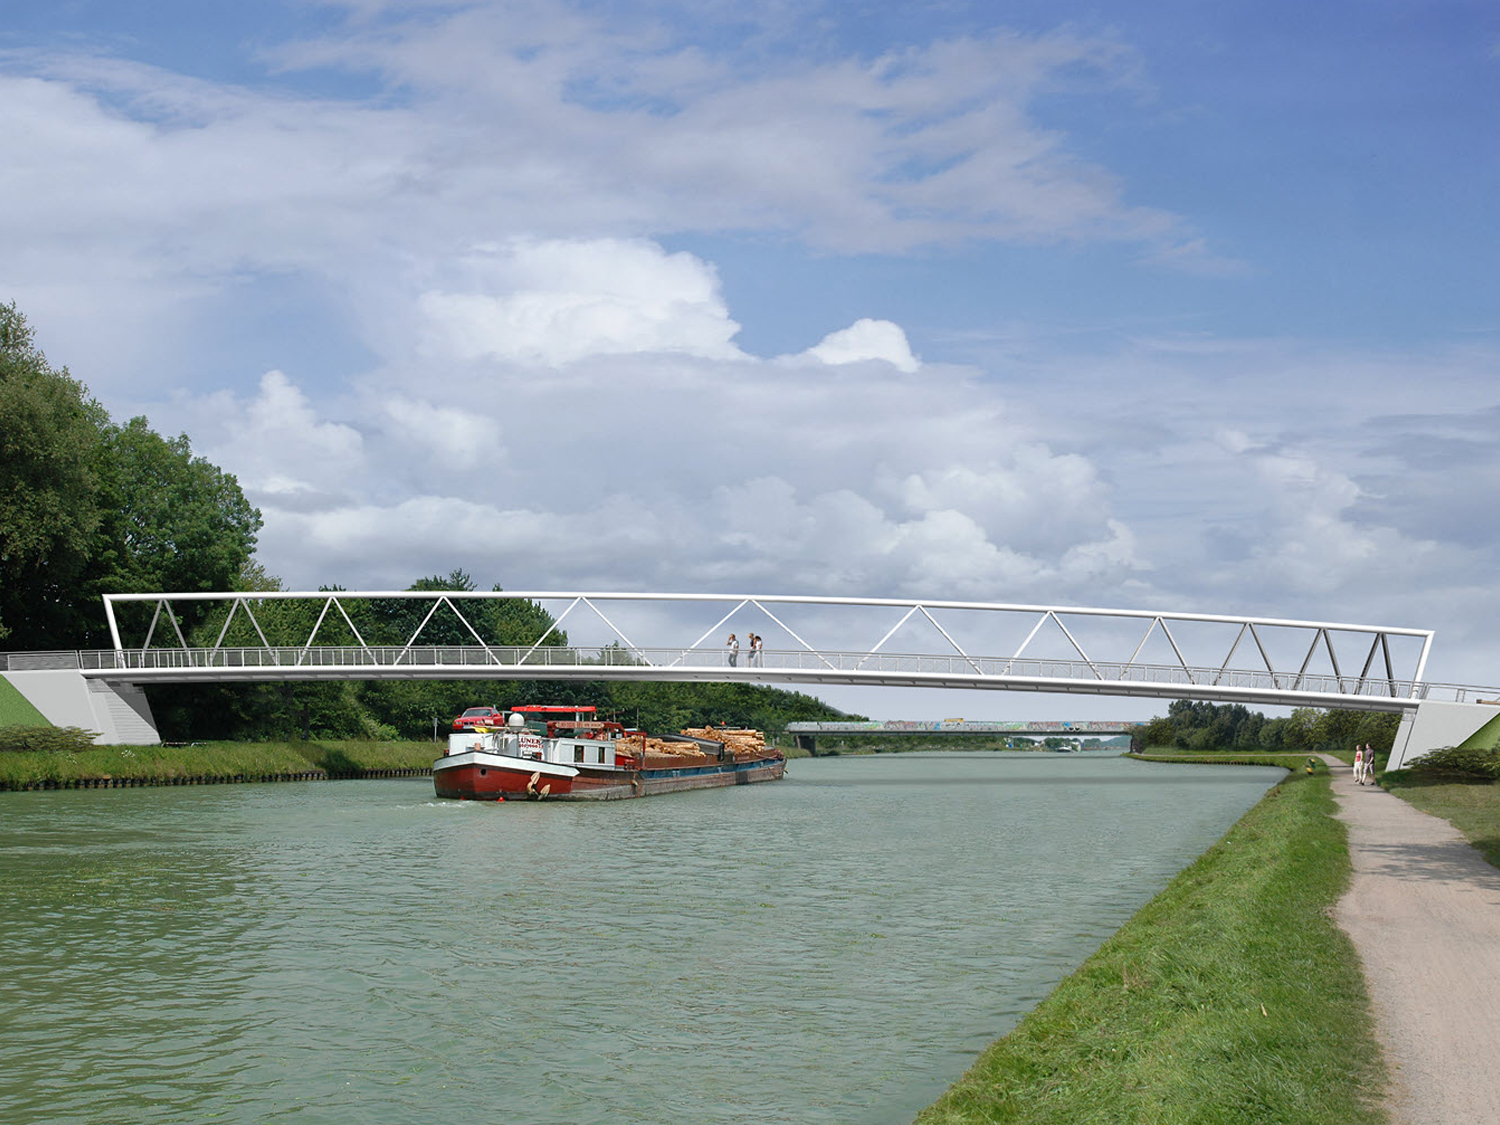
(171, 521)
(49, 507)
(88, 507)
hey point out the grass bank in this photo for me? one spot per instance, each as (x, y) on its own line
(1229, 998)
(1470, 804)
(212, 761)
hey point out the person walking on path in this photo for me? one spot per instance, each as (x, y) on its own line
(1359, 766)
(1423, 912)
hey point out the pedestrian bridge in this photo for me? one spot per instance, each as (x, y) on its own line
(808, 640)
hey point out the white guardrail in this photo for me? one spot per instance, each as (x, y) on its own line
(799, 666)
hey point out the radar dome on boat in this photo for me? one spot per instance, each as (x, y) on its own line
(516, 720)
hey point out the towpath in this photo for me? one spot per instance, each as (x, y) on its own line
(1423, 910)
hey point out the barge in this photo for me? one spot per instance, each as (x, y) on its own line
(564, 753)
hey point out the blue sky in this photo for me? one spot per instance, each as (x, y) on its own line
(1164, 305)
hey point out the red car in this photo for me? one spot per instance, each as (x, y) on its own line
(479, 717)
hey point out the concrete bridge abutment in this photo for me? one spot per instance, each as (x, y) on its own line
(1433, 726)
(118, 713)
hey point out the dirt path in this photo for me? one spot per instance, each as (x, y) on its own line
(1424, 912)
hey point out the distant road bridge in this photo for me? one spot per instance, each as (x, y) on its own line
(807, 733)
(281, 636)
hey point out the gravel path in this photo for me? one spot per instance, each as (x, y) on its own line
(1423, 910)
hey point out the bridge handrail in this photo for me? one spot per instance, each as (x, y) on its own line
(863, 665)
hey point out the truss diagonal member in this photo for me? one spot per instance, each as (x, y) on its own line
(1078, 648)
(436, 601)
(1306, 660)
(489, 654)
(1155, 621)
(1370, 659)
(1171, 640)
(1035, 629)
(151, 632)
(1275, 683)
(548, 631)
(114, 626)
(1390, 673)
(712, 629)
(793, 635)
(1416, 684)
(275, 659)
(972, 663)
(1225, 666)
(889, 634)
(176, 626)
(318, 624)
(234, 605)
(1333, 659)
(350, 622)
(628, 642)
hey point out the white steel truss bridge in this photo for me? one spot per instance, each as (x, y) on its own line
(277, 636)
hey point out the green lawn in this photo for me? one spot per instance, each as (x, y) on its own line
(1229, 998)
(15, 709)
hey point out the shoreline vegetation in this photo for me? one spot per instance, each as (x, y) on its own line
(212, 762)
(1229, 997)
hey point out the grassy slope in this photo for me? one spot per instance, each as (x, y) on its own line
(1470, 804)
(1230, 997)
(1486, 737)
(216, 760)
(16, 710)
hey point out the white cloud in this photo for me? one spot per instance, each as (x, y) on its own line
(558, 301)
(867, 339)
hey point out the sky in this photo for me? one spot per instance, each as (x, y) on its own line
(1162, 305)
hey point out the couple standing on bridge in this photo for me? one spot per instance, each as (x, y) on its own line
(733, 644)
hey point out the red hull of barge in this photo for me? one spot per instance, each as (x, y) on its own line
(488, 781)
(484, 782)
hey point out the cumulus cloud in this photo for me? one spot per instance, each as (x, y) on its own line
(867, 339)
(556, 301)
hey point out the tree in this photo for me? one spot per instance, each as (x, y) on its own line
(49, 509)
(171, 521)
(89, 508)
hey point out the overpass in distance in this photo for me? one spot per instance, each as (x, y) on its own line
(281, 636)
(807, 733)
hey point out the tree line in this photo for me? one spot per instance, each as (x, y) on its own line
(1198, 725)
(89, 506)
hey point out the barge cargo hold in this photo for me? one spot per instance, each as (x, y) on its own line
(579, 759)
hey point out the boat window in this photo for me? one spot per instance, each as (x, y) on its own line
(578, 753)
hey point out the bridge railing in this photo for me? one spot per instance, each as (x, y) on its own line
(610, 661)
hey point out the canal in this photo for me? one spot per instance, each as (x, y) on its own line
(835, 947)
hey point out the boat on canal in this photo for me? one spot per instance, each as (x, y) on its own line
(567, 753)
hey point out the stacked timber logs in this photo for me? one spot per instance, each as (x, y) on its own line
(660, 754)
(742, 743)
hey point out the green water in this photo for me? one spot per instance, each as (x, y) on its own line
(835, 947)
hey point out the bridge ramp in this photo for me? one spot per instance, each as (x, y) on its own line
(118, 713)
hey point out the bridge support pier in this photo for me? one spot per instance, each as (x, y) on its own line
(1434, 725)
(809, 743)
(119, 713)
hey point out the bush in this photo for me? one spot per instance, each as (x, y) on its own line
(1457, 759)
(52, 740)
